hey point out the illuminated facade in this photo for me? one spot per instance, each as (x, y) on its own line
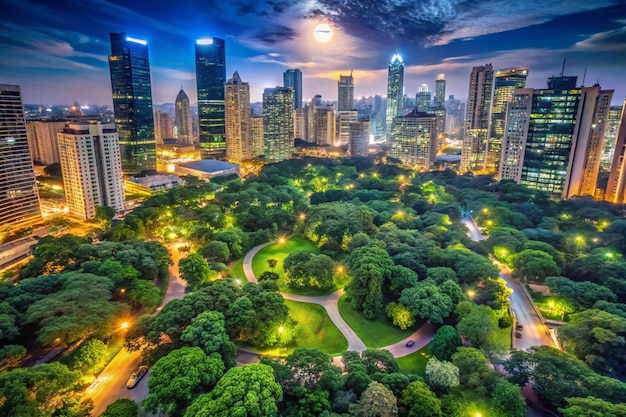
(184, 126)
(344, 120)
(132, 102)
(42, 140)
(293, 78)
(440, 90)
(163, 126)
(19, 200)
(92, 169)
(238, 143)
(359, 138)
(474, 148)
(324, 124)
(278, 123)
(610, 138)
(414, 139)
(395, 91)
(345, 93)
(505, 82)
(422, 99)
(210, 79)
(616, 187)
(517, 119)
(256, 136)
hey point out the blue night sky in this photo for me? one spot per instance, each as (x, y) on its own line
(57, 50)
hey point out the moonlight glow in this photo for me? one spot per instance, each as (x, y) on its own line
(323, 33)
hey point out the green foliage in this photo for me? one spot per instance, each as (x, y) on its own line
(400, 316)
(478, 326)
(216, 251)
(495, 294)
(427, 301)
(444, 343)
(507, 400)
(305, 270)
(207, 331)
(534, 265)
(470, 267)
(121, 408)
(144, 293)
(441, 375)
(9, 328)
(89, 354)
(369, 265)
(592, 407)
(11, 356)
(475, 374)
(440, 274)
(581, 294)
(418, 400)
(376, 401)
(195, 270)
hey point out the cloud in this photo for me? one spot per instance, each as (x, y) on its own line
(612, 40)
(275, 34)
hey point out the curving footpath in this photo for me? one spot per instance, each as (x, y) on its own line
(330, 303)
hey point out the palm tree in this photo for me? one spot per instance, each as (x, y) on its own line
(272, 263)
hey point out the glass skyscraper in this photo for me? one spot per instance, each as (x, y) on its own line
(132, 102)
(210, 79)
(278, 123)
(440, 91)
(345, 93)
(422, 99)
(293, 78)
(395, 91)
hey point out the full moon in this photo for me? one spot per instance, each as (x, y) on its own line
(322, 33)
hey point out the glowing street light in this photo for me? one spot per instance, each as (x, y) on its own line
(471, 295)
(124, 325)
(340, 269)
(302, 216)
(281, 240)
(281, 329)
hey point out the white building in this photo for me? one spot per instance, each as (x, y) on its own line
(42, 140)
(344, 119)
(237, 117)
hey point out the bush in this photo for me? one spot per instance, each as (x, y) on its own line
(505, 321)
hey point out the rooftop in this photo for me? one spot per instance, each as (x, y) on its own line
(208, 165)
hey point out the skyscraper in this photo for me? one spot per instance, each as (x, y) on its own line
(92, 169)
(414, 139)
(616, 187)
(184, 127)
(163, 126)
(132, 102)
(256, 136)
(293, 78)
(19, 200)
(42, 140)
(515, 133)
(345, 93)
(474, 148)
(278, 123)
(344, 120)
(359, 138)
(440, 90)
(506, 81)
(210, 79)
(422, 99)
(324, 124)
(237, 96)
(395, 91)
(610, 138)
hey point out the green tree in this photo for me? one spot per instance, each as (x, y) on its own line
(207, 331)
(89, 354)
(105, 213)
(534, 265)
(479, 326)
(194, 269)
(444, 343)
(474, 372)
(495, 294)
(246, 391)
(272, 263)
(121, 408)
(376, 401)
(440, 274)
(216, 251)
(11, 356)
(507, 400)
(144, 293)
(369, 265)
(400, 315)
(178, 378)
(418, 400)
(9, 328)
(305, 270)
(441, 375)
(592, 407)
(308, 403)
(426, 301)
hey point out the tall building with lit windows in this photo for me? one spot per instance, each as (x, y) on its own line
(91, 167)
(422, 99)
(210, 79)
(359, 138)
(184, 126)
(344, 121)
(610, 138)
(278, 123)
(256, 136)
(132, 102)
(616, 187)
(42, 140)
(163, 126)
(517, 119)
(293, 78)
(505, 82)
(395, 91)
(474, 149)
(237, 101)
(440, 91)
(345, 93)
(19, 200)
(414, 139)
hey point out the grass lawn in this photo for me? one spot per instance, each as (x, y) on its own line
(551, 313)
(503, 337)
(316, 331)
(415, 363)
(236, 270)
(374, 333)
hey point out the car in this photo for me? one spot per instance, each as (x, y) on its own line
(410, 343)
(136, 376)
(518, 335)
(519, 327)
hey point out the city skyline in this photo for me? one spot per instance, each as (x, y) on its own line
(58, 53)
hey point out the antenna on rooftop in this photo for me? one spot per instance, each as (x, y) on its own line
(584, 76)
(563, 68)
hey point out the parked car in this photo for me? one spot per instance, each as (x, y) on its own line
(518, 335)
(519, 327)
(410, 343)
(136, 376)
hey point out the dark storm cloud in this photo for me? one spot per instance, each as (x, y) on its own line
(275, 34)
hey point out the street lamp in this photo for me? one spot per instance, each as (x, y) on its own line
(281, 329)
(471, 294)
(281, 240)
(340, 269)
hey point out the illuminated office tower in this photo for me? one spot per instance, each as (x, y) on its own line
(293, 78)
(422, 99)
(278, 123)
(42, 140)
(210, 79)
(395, 91)
(324, 124)
(610, 138)
(440, 90)
(237, 96)
(256, 136)
(454, 115)
(310, 118)
(359, 138)
(344, 120)
(517, 112)
(345, 93)
(299, 123)
(19, 200)
(132, 103)
(616, 187)
(505, 82)
(163, 126)
(184, 126)
(91, 166)
(474, 148)
(414, 139)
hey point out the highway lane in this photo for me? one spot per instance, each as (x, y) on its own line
(535, 332)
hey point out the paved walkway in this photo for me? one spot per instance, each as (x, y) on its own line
(330, 303)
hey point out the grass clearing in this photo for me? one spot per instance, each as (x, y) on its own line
(503, 337)
(374, 333)
(415, 363)
(236, 270)
(551, 308)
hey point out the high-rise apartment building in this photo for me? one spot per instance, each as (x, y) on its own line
(92, 169)
(616, 187)
(454, 115)
(474, 150)
(163, 126)
(132, 102)
(293, 78)
(210, 79)
(610, 138)
(344, 121)
(517, 119)
(414, 139)
(278, 123)
(42, 140)
(256, 136)
(324, 124)
(299, 123)
(422, 99)
(19, 200)
(184, 126)
(505, 82)
(238, 143)
(440, 90)
(345, 93)
(395, 91)
(359, 138)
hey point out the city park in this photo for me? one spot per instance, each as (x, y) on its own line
(352, 259)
